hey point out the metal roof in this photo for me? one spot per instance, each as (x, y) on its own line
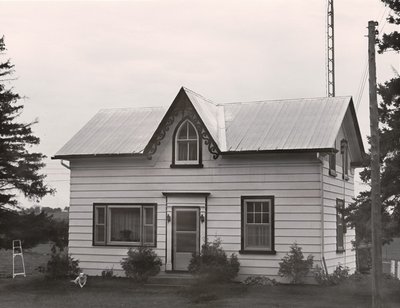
(115, 131)
(296, 124)
(207, 111)
(284, 124)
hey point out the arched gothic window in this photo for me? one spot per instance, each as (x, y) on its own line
(186, 145)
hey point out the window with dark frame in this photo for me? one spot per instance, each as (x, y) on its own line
(340, 225)
(257, 224)
(344, 150)
(332, 162)
(187, 144)
(124, 225)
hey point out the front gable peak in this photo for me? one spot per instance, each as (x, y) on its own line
(201, 112)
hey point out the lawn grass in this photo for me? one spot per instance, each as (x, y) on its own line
(34, 291)
(119, 292)
(33, 258)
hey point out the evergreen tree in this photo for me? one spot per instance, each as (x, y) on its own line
(359, 213)
(19, 168)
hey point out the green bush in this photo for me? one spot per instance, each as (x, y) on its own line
(141, 263)
(339, 275)
(108, 273)
(213, 265)
(259, 281)
(293, 265)
(60, 265)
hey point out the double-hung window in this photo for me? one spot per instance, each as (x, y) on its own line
(128, 224)
(257, 224)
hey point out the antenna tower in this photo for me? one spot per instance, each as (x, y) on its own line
(331, 50)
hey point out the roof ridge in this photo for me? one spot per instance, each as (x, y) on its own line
(285, 99)
(197, 94)
(131, 108)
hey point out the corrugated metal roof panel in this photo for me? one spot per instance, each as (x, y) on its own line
(284, 124)
(115, 131)
(207, 111)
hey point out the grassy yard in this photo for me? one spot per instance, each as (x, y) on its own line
(33, 258)
(37, 292)
(34, 291)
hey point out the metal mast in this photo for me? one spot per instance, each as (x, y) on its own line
(331, 50)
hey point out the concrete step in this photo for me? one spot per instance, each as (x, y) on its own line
(171, 279)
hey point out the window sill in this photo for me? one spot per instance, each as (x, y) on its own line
(173, 165)
(124, 245)
(332, 172)
(346, 177)
(340, 250)
(257, 252)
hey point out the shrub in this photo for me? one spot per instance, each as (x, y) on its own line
(213, 265)
(293, 265)
(108, 273)
(339, 275)
(60, 265)
(141, 263)
(259, 281)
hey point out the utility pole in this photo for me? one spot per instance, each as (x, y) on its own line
(376, 205)
(330, 36)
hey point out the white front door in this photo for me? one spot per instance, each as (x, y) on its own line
(186, 236)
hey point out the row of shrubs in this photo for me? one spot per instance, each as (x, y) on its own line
(211, 265)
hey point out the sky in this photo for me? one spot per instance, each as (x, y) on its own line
(73, 58)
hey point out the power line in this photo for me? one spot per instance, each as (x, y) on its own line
(361, 87)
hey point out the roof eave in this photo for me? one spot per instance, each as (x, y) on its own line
(311, 150)
(73, 156)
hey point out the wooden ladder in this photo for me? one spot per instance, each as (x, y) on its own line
(17, 252)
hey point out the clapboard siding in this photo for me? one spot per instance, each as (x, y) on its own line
(336, 188)
(293, 181)
(235, 186)
(201, 178)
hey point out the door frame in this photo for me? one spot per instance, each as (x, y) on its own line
(183, 199)
(173, 238)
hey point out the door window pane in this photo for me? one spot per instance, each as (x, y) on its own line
(186, 242)
(186, 220)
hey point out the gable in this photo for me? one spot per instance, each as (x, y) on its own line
(197, 110)
(350, 131)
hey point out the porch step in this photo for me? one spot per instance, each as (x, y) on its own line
(171, 279)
